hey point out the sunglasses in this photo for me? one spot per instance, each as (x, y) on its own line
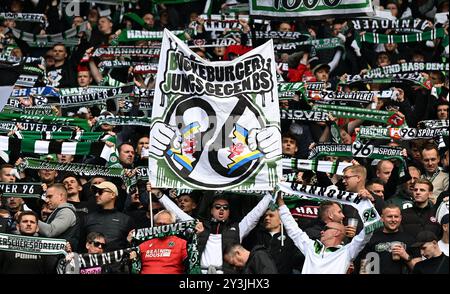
(101, 191)
(224, 206)
(98, 244)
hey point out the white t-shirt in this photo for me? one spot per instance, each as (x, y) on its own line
(212, 255)
(444, 247)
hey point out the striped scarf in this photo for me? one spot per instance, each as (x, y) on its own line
(64, 135)
(410, 38)
(48, 147)
(95, 97)
(332, 167)
(433, 124)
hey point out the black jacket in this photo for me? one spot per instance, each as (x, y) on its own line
(260, 262)
(417, 219)
(111, 223)
(230, 235)
(287, 257)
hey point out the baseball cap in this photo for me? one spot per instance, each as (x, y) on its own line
(424, 237)
(315, 64)
(107, 185)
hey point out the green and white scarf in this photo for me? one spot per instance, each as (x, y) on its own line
(315, 165)
(367, 212)
(31, 126)
(23, 190)
(357, 149)
(400, 133)
(410, 38)
(184, 230)
(70, 121)
(69, 37)
(64, 135)
(49, 147)
(77, 168)
(32, 245)
(402, 25)
(399, 78)
(387, 117)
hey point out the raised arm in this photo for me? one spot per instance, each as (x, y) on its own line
(250, 221)
(299, 237)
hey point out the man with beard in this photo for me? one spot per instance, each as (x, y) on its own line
(421, 216)
(392, 246)
(404, 197)
(26, 263)
(126, 155)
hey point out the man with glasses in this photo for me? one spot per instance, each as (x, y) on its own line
(166, 255)
(95, 243)
(354, 180)
(327, 255)
(218, 232)
(114, 225)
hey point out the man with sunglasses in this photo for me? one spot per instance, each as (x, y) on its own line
(114, 225)
(216, 233)
(327, 255)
